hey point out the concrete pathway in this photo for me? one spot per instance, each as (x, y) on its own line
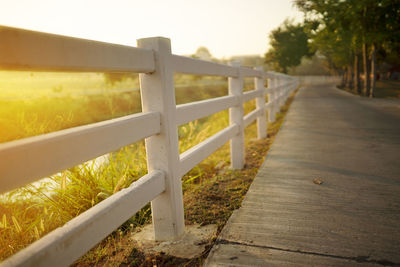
(350, 143)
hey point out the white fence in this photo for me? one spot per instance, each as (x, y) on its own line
(50, 153)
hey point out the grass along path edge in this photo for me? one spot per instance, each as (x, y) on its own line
(209, 198)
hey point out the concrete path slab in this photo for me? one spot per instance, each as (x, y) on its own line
(350, 143)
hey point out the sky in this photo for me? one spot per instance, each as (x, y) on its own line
(225, 27)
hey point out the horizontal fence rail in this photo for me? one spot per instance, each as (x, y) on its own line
(200, 67)
(200, 109)
(50, 153)
(20, 49)
(67, 243)
(196, 154)
(247, 96)
(252, 116)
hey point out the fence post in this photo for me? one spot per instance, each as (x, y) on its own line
(285, 90)
(281, 96)
(285, 81)
(290, 89)
(271, 99)
(278, 82)
(260, 104)
(236, 117)
(158, 94)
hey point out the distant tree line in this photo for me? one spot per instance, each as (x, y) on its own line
(354, 36)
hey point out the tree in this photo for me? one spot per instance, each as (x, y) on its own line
(328, 27)
(380, 26)
(354, 27)
(202, 53)
(289, 43)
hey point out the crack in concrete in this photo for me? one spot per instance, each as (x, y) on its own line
(358, 259)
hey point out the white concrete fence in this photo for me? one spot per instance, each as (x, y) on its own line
(27, 160)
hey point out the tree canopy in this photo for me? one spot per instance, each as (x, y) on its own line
(202, 53)
(289, 43)
(345, 30)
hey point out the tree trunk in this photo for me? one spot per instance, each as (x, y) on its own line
(373, 70)
(367, 84)
(349, 76)
(344, 78)
(356, 73)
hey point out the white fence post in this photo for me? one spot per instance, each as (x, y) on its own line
(277, 106)
(236, 117)
(271, 99)
(290, 89)
(260, 104)
(158, 94)
(287, 87)
(282, 93)
(279, 82)
(285, 82)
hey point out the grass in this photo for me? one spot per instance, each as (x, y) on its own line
(34, 111)
(24, 118)
(384, 89)
(30, 212)
(33, 103)
(387, 89)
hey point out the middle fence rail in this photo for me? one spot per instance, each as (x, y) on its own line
(50, 153)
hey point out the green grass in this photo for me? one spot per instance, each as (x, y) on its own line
(24, 118)
(68, 195)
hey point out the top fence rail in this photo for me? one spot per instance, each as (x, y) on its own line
(29, 50)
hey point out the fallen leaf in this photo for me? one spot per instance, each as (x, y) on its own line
(317, 181)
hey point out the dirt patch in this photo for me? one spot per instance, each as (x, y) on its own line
(190, 245)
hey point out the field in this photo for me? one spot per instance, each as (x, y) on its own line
(37, 103)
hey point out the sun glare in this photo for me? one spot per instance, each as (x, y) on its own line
(33, 103)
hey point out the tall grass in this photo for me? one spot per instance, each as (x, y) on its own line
(30, 212)
(24, 118)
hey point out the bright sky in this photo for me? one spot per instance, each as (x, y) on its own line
(225, 27)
